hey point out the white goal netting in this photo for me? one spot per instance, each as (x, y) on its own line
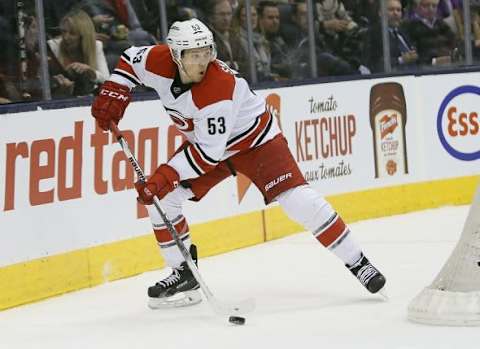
(453, 299)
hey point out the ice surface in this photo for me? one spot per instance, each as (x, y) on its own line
(305, 298)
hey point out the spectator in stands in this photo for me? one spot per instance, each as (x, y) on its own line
(431, 36)
(363, 12)
(8, 86)
(444, 8)
(457, 12)
(220, 17)
(18, 62)
(54, 11)
(269, 23)
(76, 61)
(343, 35)
(30, 84)
(475, 22)
(8, 90)
(475, 14)
(327, 63)
(148, 13)
(9, 62)
(334, 19)
(261, 50)
(291, 29)
(183, 14)
(235, 4)
(195, 4)
(295, 28)
(402, 54)
(117, 26)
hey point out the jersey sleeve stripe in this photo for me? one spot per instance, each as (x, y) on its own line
(265, 131)
(125, 57)
(126, 67)
(202, 164)
(191, 162)
(243, 134)
(127, 76)
(204, 156)
(248, 139)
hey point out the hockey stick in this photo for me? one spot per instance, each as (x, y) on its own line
(222, 308)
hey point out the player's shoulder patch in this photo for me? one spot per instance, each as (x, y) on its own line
(160, 62)
(217, 85)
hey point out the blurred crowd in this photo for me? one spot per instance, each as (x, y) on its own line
(85, 38)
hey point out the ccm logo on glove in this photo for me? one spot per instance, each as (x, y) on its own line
(110, 104)
(114, 95)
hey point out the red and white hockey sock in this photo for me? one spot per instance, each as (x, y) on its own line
(335, 235)
(172, 205)
(305, 206)
(168, 248)
(170, 252)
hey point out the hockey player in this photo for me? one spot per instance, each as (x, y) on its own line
(228, 130)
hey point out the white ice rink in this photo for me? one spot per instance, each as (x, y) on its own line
(305, 298)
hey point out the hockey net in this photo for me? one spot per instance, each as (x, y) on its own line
(453, 299)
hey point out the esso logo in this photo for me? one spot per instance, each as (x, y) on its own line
(458, 123)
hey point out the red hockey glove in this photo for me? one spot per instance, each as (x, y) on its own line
(110, 104)
(162, 182)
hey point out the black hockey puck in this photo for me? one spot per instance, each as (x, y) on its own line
(237, 320)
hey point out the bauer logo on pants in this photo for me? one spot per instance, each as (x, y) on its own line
(458, 123)
(278, 180)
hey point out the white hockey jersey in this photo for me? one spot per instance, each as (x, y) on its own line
(220, 115)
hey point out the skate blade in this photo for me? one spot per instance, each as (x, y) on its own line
(181, 299)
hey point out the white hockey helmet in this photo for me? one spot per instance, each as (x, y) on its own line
(187, 35)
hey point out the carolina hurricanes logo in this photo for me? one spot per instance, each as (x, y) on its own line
(183, 123)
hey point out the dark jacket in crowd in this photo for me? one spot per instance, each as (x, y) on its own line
(373, 50)
(430, 42)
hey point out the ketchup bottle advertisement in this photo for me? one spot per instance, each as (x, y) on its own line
(388, 118)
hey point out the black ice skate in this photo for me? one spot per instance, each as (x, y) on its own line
(368, 275)
(179, 289)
